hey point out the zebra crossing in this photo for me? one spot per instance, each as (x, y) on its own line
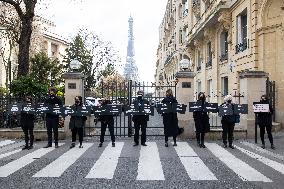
(150, 166)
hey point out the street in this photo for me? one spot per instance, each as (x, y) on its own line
(154, 166)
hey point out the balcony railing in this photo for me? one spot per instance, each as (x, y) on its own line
(242, 46)
(198, 68)
(224, 57)
(185, 13)
(209, 64)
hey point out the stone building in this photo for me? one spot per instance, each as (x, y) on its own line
(227, 42)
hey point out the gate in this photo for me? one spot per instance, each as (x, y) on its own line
(124, 93)
(270, 92)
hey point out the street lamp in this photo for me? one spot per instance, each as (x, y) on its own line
(75, 65)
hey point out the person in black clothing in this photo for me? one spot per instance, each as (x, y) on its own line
(140, 120)
(170, 120)
(265, 122)
(107, 121)
(52, 120)
(77, 123)
(27, 124)
(228, 124)
(201, 120)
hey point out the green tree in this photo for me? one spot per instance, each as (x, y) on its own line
(107, 71)
(46, 70)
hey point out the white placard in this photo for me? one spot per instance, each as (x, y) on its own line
(261, 108)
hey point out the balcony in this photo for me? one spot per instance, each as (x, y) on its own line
(242, 46)
(224, 57)
(198, 68)
(209, 64)
(169, 58)
(185, 13)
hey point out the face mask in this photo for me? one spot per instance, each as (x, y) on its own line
(140, 97)
(229, 101)
(77, 101)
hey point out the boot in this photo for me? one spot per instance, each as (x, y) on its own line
(26, 147)
(72, 145)
(272, 147)
(113, 144)
(101, 144)
(166, 144)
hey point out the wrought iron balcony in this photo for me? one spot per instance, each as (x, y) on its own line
(185, 13)
(224, 57)
(198, 68)
(242, 46)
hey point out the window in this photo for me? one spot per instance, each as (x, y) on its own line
(209, 55)
(224, 46)
(185, 8)
(180, 36)
(209, 90)
(198, 87)
(198, 61)
(225, 85)
(242, 41)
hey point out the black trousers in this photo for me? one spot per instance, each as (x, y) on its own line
(200, 137)
(52, 124)
(76, 130)
(110, 126)
(228, 133)
(268, 130)
(137, 125)
(167, 139)
(29, 135)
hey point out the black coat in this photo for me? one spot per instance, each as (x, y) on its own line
(77, 121)
(106, 118)
(265, 118)
(201, 120)
(229, 119)
(27, 121)
(139, 118)
(170, 120)
(51, 101)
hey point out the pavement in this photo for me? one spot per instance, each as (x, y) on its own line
(153, 166)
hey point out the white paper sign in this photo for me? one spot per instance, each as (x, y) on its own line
(261, 108)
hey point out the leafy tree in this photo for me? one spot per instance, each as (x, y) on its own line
(27, 85)
(109, 70)
(46, 70)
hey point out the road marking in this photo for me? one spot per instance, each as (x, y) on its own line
(242, 169)
(273, 164)
(9, 153)
(106, 165)
(193, 165)
(6, 142)
(149, 166)
(259, 149)
(16, 165)
(57, 167)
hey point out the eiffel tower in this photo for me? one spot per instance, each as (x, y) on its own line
(130, 69)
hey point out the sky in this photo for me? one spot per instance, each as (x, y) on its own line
(109, 19)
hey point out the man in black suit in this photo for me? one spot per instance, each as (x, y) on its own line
(140, 120)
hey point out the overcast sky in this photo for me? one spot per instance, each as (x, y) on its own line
(109, 19)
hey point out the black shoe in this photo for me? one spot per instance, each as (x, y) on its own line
(263, 146)
(30, 147)
(225, 145)
(202, 146)
(135, 144)
(166, 144)
(81, 146)
(101, 144)
(113, 144)
(272, 147)
(47, 146)
(231, 146)
(56, 146)
(72, 145)
(143, 144)
(25, 148)
(175, 144)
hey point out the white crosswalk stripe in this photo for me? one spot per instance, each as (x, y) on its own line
(273, 164)
(9, 153)
(149, 166)
(6, 142)
(242, 169)
(105, 166)
(193, 165)
(57, 167)
(16, 165)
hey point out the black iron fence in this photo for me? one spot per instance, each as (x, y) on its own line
(271, 94)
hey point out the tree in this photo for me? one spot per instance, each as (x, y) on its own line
(46, 70)
(25, 11)
(109, 70)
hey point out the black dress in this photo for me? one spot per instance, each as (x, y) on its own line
(170, 120)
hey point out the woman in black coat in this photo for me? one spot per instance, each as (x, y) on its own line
(170, 120)
(265, 122)
(27, 124)
(201, 120)
(77, 123)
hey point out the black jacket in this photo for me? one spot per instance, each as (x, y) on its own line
(265, 118)
(27, 120)
(229, 119)
(140, 117)
(106, 118)
(77, 121)
(170, 120)
(51, 101)
(201, 120)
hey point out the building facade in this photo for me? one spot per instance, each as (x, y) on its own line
(223, 39)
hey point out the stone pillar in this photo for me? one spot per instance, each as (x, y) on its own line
(74, 86)
(252, 85)
(184, 95)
